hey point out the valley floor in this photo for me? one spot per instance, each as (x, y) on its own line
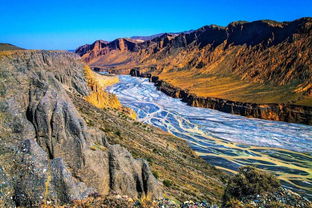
(225, 140)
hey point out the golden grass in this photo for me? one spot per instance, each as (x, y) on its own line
(98, 97)
(95, 147)
(146, 201)
(46, 186)
(306, 100)
(9, 53)
(232, 88)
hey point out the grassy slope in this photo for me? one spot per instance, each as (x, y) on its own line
(6, 47)
(99, 97)
(232, 88)
(169, 157)
(219, 78)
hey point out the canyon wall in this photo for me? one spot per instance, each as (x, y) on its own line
(270, 111)
(256, 62)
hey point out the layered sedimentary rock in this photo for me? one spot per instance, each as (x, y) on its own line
(270, 111)
(258, 51)
(246, 62)
(48, 153)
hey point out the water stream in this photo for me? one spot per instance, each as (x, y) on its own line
(225, 140)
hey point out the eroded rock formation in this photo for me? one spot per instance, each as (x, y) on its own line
(48, 153)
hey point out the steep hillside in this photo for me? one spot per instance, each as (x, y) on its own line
(256, 62)
(56, 147)
(7, 46)
(99, 97)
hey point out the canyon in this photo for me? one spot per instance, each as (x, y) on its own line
(260, 69)
(71, 136)
(269, 111)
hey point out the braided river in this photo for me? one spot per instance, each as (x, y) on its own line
(224, 140)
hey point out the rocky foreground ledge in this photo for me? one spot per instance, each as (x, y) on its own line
(48, 153)
(270, 111)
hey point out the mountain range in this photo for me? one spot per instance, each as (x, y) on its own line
(151, 37)
(259, 62)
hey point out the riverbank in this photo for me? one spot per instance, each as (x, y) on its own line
(271, 111)
(224, 140)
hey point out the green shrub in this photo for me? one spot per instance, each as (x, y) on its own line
(118, 133)
(156, 174)
(167, 183)
(250, 181)
(95, 147)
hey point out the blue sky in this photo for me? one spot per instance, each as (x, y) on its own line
(67, 24)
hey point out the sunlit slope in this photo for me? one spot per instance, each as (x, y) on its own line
(7, 46)
(257, 62)
(232, 88)
(99, 97)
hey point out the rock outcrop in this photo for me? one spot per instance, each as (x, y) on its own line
(48, 153)
(120, 47)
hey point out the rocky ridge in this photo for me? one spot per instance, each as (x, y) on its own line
(258, 62)
(48, 153)
(259, 40)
